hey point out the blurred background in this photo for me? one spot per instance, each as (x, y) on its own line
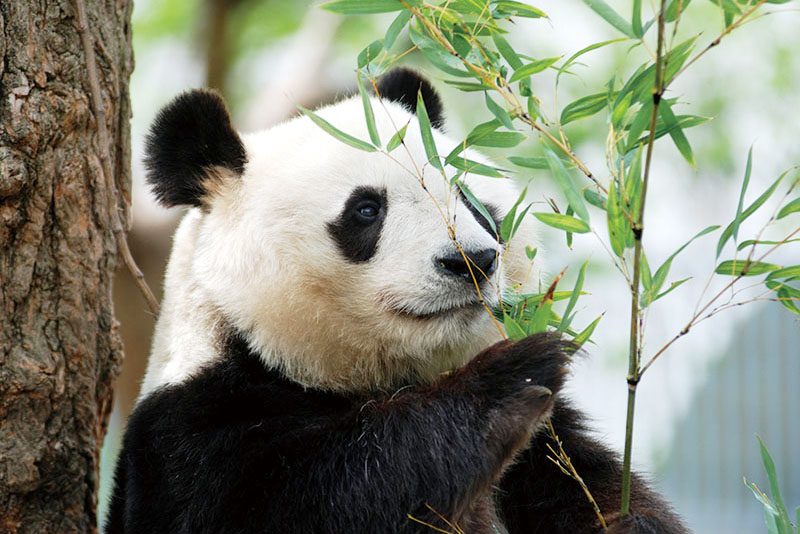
(700, 407)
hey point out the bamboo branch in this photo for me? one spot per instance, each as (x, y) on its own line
(638, 230)
(112, 192)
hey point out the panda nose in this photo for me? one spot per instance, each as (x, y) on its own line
(483, 261)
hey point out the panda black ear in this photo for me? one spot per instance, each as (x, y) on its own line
(402, 85)
(190, 137)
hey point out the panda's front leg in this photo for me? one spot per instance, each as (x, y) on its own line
(432, 454)
(450, 442)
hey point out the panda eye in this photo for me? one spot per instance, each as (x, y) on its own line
(367, 210)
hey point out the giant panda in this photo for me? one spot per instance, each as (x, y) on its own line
(325, 362)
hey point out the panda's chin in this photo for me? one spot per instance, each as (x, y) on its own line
(461, 311)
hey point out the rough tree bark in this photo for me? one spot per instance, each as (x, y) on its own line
(60, 347)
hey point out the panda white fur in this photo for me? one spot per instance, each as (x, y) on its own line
(314, 366)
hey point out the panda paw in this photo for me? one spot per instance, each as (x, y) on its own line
(509, 369)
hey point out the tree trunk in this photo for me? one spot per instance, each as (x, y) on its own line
(60, 347)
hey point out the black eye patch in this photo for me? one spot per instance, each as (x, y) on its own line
(357, 229)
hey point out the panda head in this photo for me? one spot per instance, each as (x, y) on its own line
(343, 269)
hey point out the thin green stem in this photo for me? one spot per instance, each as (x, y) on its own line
(638, 230)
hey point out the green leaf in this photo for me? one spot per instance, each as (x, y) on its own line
(530, 252)
(563, 222)
(728, 232)
(661, 274)
(567, 186)
(513, 328)
(786, 272)
(362, 7)
(584, 336)
(612, 17)
(532, 68)
(787, 295)
(474, 167)
(670, 288)
(508, 8)
(583, 51)
(738, 218)
(636, 19)
(369, 53)
(676, 133)
(397, 138)
(576, 292)
(750, 242)
(468, 86)
(500, 140)
(584, 107)
(531, 163)
(538, 322)
(784, 525)
(507, 227)
(745, 268)
(477, 204)
(369, 116)
(438, 57)
(791, 207)
(395, 28)
(594, 198)
(506, 51)
(498, 111)
(618, 226)
(674, 9)
(337, 133)
(640, 121)
(425, 131)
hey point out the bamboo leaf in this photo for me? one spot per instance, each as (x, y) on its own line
(612, 17)
(532, 68)
(563, 222)
(395, 28)
(369, 53)
(784, 525)
(738, 218)
(538, 322)
(786, 272)
(427, 134)
(567, 186)
(506, 51)
(676, 133)
(594, 198)
(477, 204)
(474, 167)
(530, 252)
(509, 8)
(397, 138)
(584, 107)
(585, 50)
(791, 207)
(362, 7)
(438, 57)
(728, 232)
(671, 287)
(576, 292)
(468, 86)
(617, 225)
(507, 226)
(531, 163)
(337, 133)
(584, 336)
(750, 242)
(745, 268)
(498, 111)
(369, 115)
(513, 328)
(636, 19)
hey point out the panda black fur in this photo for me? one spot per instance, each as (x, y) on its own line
(313, 369)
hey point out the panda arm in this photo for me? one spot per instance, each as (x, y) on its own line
(271, 457)
(536, 497)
